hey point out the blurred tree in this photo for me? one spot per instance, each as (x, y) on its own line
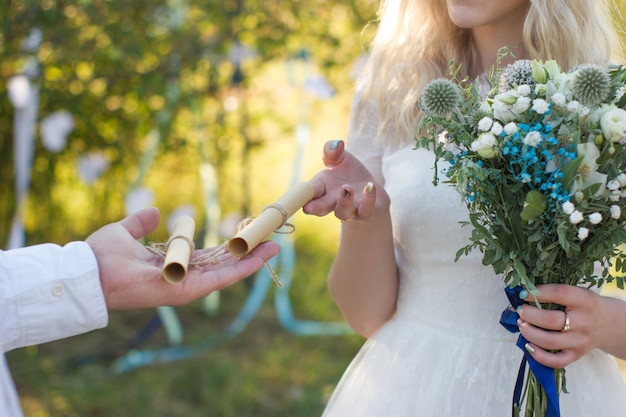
(130, 72)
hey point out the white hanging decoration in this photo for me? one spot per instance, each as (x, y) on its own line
(231, 103)
(184, 210)
(91, 166)
(238, 53)
(319, 87)
(138, 199)
(32, 42)
(54, 130)
(19, 90)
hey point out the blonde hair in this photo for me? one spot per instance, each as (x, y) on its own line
(416, 41)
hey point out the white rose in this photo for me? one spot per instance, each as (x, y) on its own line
(502, 111)
(532, 138)
(540, 106)
(622, 179)
(558, 99)
(496, 128)
(484, 125)
(521, 105)
(573, 106)
(613, 124)
(510, 128)
(616, 212)
(595, 218)
(583, 233)
(523, 90)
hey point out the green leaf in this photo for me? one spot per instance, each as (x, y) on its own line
(534, 205)
(569, 171)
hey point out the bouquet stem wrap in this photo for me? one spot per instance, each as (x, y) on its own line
(544, 376)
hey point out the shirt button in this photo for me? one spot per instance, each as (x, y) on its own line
(58, 290)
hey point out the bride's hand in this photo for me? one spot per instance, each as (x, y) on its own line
(586, 324)
(346, 187)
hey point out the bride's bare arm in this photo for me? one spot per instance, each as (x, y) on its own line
(363, 279)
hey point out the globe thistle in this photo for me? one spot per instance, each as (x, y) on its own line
(518, 73)
(476, 116)
(591, 84)
(441, 97)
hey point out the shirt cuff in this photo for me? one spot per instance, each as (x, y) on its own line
(54, 292)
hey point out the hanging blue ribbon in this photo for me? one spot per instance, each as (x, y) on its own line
(545, 375)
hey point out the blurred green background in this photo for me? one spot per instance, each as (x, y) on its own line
(196, 107)
(211, 108)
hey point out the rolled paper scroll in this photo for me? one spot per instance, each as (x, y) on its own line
(179, 251)
(271, 218)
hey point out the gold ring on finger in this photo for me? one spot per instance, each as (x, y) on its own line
(566, 326)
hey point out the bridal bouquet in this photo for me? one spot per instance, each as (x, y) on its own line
(539, 158)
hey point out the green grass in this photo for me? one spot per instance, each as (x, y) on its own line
(264, 371)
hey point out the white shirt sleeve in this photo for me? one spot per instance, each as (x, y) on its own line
(49, 292)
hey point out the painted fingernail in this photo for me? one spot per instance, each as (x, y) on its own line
(523, 294)
(346, 192)
(518, 309)
(370, 187)
(520, 322)
(334, 144)
(529, 348)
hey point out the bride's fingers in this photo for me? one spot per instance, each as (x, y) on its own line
(546, 319)
(556, 360)
(367, 206)
(344, 210)
(333, 152)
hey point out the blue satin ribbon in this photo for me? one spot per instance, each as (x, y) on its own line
(545, 375)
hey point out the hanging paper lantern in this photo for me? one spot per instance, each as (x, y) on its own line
(91, 166)
(18, 88)
(138, 199)
(54, 130)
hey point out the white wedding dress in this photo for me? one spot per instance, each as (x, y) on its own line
(444, 354)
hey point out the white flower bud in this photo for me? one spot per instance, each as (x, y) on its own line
(583, 233)
(576, 217)
(616, 211)
(613, 185)
(568, 207)
(595, 218)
